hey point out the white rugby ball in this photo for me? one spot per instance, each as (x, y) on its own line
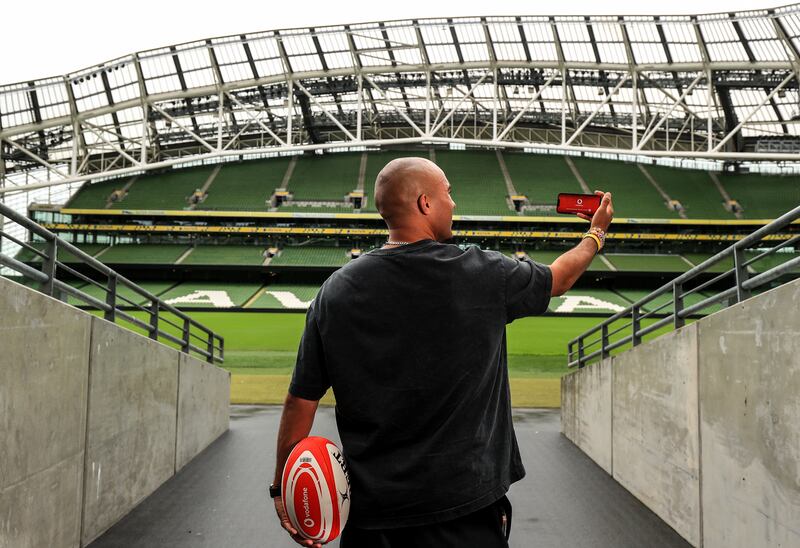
(316, 489)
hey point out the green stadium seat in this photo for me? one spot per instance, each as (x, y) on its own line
(143, 253)
(95, 195)
(245, 186)
(541, 178)
(693, 189)
(123, 293)
(312, 256)
(325, 177)
(26, 255)
(478, 187)
(762, 196)
(721, 266)
(169, 190)
(647, 263)
(225, 255)
(633, 195)
(634, 295)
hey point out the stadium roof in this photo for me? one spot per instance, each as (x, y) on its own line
(713, 86)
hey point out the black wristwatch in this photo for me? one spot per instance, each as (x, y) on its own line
(274, 490)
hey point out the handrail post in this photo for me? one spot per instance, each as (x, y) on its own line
(111, 298)
(186, 326)
(636, 324)
(49, 266)
(210, 347)
(603, 341)
(221, 348)
(569, 353)
(677, 298)
(580, 353)
(154, 320)
(741, 274)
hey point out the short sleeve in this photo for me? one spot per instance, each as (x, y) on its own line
(528, 286)
(310, 377)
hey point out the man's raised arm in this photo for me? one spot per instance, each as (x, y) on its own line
(568, 267)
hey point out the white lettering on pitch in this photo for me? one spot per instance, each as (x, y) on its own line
(574, 303)
(288, 299)
(217, 299)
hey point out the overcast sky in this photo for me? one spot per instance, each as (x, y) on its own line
(47, 37)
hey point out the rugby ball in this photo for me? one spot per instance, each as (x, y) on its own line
(316, 489)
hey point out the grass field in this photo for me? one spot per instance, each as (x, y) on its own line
(260, 352)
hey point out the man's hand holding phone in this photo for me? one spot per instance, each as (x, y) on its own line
(604, 214)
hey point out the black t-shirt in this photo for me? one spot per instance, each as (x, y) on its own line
(412, 340)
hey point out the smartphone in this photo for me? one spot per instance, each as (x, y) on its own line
(578, 203)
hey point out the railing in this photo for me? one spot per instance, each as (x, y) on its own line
(207, 343)
(580, 349)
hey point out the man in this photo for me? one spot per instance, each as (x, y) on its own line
(411, 337)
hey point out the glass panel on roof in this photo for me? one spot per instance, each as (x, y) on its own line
(408, 56)
(470, 33)
(757, 29)
(435, 33)
(196, 58)
(648, 52)
(305, 63)
(339, 60)
(298, 44)
(726, 51)
(543, 52)
(199, 78)
(509, 52)
(503, 32)
(474, 52)
(375, 58)
(685, 53)
(612, 52)
(573, 32)
(769, 50)
(718, 31)
(578, 52)
(442, 54)
(676, 32)
(538, 32)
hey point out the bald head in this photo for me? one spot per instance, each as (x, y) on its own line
(400, 184)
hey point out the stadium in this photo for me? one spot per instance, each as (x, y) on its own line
(199, 194)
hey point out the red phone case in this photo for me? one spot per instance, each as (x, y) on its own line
(578, 203)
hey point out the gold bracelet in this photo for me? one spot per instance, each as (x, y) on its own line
(596, 240)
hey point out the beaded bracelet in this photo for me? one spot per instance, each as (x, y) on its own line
(598, 235)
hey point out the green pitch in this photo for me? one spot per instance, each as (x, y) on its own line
(261, 348)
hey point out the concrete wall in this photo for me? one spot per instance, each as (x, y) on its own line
(750, 422)
(586, 411)
(44, 365)
(93, 418)
(203, 400)
(705, 424)
(655, 444)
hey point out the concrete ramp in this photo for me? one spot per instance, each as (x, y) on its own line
(703, 424)
(93, 419)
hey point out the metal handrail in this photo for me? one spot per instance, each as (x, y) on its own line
(743, 286)
(214, 344)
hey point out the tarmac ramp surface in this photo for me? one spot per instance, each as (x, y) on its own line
(220, 498)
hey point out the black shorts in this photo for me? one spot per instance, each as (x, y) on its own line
(489, 527)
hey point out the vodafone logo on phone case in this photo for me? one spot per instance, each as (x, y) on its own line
(580, 201)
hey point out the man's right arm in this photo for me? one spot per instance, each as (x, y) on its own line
(568, 267)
